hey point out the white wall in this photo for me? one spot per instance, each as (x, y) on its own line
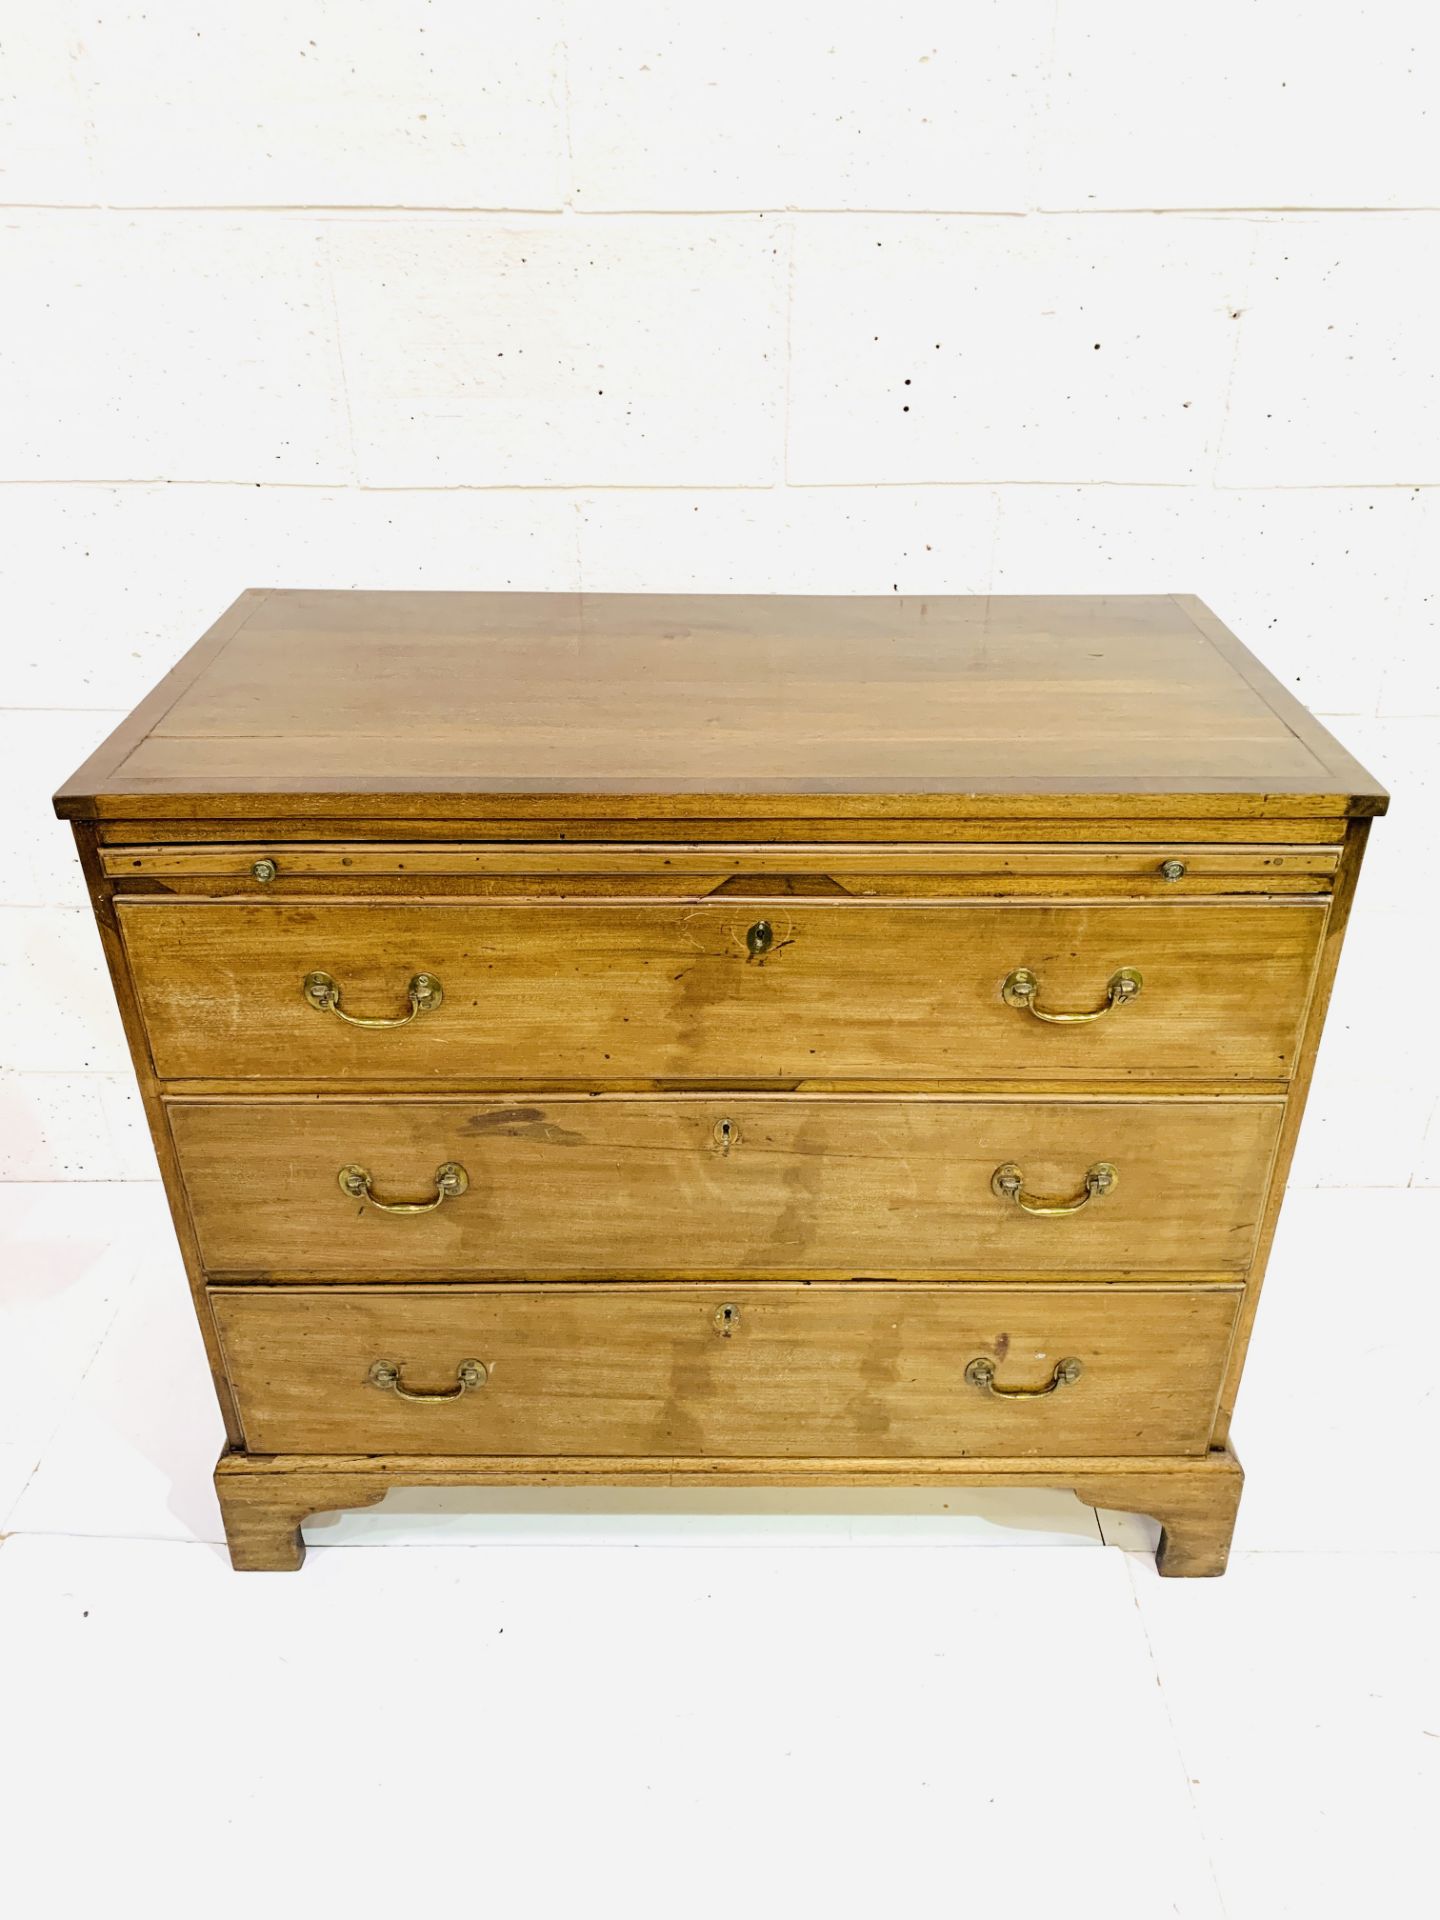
(952, 297)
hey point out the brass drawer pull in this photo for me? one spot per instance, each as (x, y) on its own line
(981, 1373)
(450, 1181)
(1021, 989)
(1009, 1182)
(323, 993)
(469, 1373)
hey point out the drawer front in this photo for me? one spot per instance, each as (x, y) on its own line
(571, 867)
(771, 1184)
(861, 1372)
(761, 990)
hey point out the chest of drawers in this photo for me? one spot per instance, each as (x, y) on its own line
(680, 1040)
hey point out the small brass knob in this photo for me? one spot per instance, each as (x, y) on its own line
(264, 870)
(1172, 869)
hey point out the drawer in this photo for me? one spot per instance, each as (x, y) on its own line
(869, 1372)
(760, 991)
(629, 1185)
(572, 869)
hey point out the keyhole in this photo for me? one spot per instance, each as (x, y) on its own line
(727, 1135)
(727, 1318)
(760, 938)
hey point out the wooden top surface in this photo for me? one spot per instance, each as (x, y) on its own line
(302, 702)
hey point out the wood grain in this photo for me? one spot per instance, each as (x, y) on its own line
(877, 1371)
(1196, 1511)
(265, 1498)
(628, 1186)
(922, 701)
(102, 903)
(1337, 922)
(603, 993)
(699, 869)
(573, 808)
(517, 820)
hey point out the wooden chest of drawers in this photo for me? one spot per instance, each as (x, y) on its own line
(722, 1040)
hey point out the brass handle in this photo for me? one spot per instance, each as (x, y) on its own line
(1009, 1182)
(469, 1373)
(981, 1373)
(1021, 989)
(450, 1181)
(323, 993)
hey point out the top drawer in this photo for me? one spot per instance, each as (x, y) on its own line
(730, 991)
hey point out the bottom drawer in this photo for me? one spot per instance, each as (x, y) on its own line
(754, 1370)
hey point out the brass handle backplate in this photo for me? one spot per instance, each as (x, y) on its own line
(1009, 1182)
(323, 993)
(451, 1180)
(981, 1373)
(1022, 989)
(469, 1373)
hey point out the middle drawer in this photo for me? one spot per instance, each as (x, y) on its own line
(634, 1186)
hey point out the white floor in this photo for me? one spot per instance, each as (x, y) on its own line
(539, 1704)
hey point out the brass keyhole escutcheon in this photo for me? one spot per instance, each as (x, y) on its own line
(760, 939)
(727, 1319)
(726, 1135)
